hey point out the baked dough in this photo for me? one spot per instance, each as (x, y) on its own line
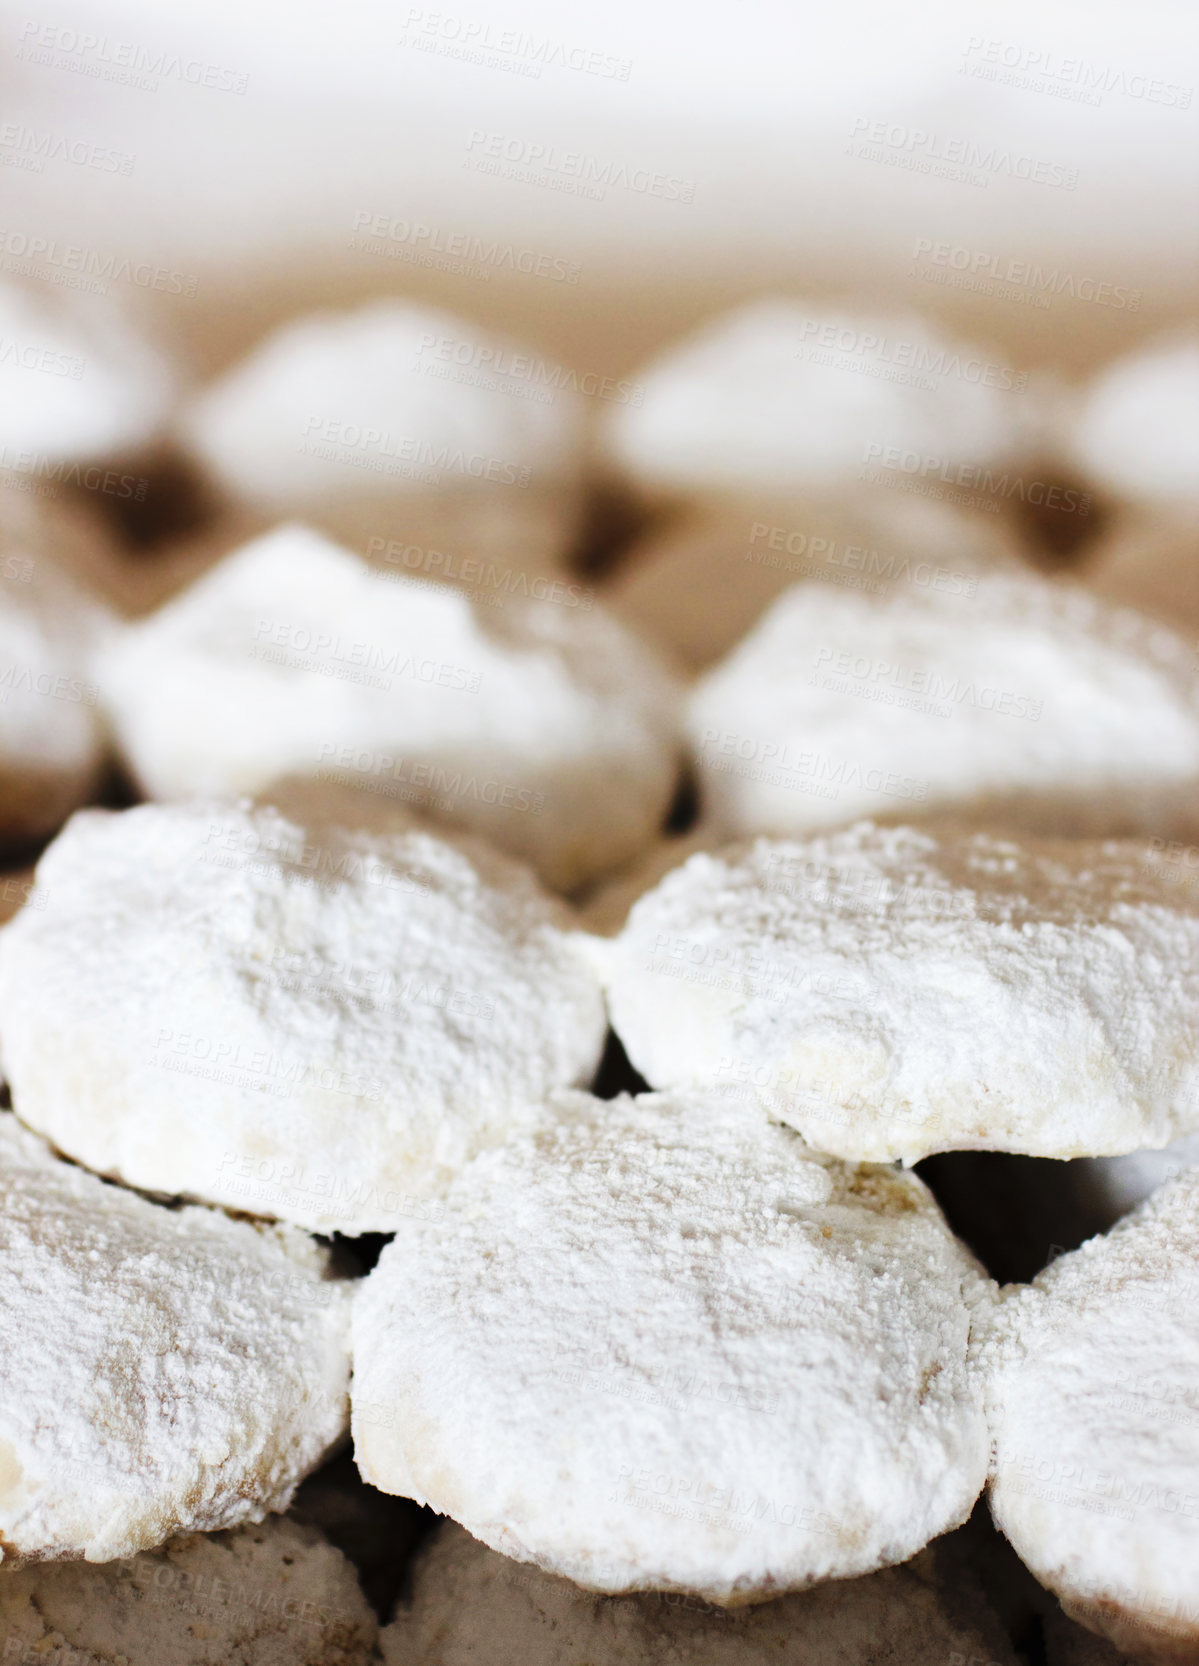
(164, 1370)
(549, 729)
(652, 1347)
(469, 1605)
(892, 992)
(286, 1015)
(52, 742)
(1150, 561)
(273, 1595)
(695, 586)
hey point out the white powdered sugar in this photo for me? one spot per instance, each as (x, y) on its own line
(390, 399)
(781, 396)
(1137, 429)
(1095, 1416)
(892, 992)
(285, 1015)
(549, 729)
(469, 1605)
(77, 382)
(1031, 702)
(165, 1370)
(649, 1346)
(277, 1594)
(52, 744)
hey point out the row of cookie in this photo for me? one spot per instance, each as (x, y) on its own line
(335, 414)
(195, 995)
(642, 1346)
(279, 1595)
(553, 731)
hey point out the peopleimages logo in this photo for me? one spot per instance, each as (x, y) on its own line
(1036, 285)
(572, 171)
(498, 366)
(831, 338)
(76, 267)
(975, 477)
(952, 156)
(420, 244)
(515, 50)
(1041, 70)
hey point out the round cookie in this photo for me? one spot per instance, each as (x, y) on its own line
(286, 1015)
(893, 992)
(470, 1605)
(547, 728)
(77, 382)
(1027, 702)
(273, 1595)
(164, 1370)
(649, 1346)
(1136, 431)
(395, 421)
(1095, 1418)
(778, 397)
(52, 741)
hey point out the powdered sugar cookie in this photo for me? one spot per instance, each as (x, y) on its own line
(273, 1595)
(52, 746)
(399, 422)
(650, 1346)
(77, 383)
(546, 727)
(779, 396)
(284, 1015)
(468, 1605)
(1028, 702)
(164, 1370)
(1137, 428)
(1095, 1417)
(892, 992)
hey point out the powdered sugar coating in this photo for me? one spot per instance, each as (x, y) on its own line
(1029, 702)
(550, 730)
(1137, 431)
(289, 1017)
(1095, 1418)
(164, 1371)
(78, 382)
(651, 1347)
(52, 744)
(892, 992)
(356, 404)
(782, 396)
(470, 1605)
(274, 1595)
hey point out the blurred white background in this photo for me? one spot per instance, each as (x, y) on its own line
(650, 164)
